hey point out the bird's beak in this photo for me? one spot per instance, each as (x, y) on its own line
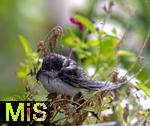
(37, 75)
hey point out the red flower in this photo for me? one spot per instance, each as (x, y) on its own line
(77, 23)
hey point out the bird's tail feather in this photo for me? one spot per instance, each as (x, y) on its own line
(105, 85)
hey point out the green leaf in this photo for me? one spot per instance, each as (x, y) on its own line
(104, 108)
(59, 116)
(23, 71)
(144, 88)
(86, 22)
(125, 53)
(106, 100)
(114, 31)
(108, 46)
(90, 109)
(25, 45)
(93, 43)
(120, 111)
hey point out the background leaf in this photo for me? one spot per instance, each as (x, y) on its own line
(86, 22)
(144, 88)
(25, 45)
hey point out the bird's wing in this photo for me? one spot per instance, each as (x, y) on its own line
(76, 78)
(73, 77)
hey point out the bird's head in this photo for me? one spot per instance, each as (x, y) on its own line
(52, 62)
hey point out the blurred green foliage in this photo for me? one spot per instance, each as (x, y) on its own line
(31, 58)
(18, 17)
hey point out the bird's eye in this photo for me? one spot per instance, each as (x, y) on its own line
(45, 65)
(47, 61)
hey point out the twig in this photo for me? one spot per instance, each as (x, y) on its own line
(147, 81)
(140, 52)
(140, 70)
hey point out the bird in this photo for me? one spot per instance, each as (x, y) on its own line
(62, 75)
